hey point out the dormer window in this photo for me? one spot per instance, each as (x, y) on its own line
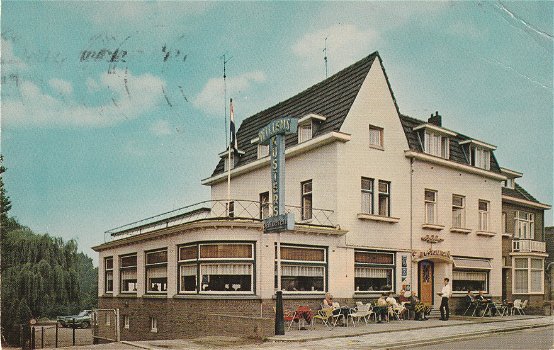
(307, 126)
(229, 160)
(479, 153)
(235, 156)
(435, 140)
(437, 145)
(305, 132)
(511, 176)
(509, 183)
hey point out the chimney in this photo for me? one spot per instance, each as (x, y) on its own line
(435, 119)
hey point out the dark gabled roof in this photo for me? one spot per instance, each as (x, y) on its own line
(332, 98)
(457, 153)
(518, 192)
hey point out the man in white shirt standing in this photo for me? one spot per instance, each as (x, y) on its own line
(446, 293)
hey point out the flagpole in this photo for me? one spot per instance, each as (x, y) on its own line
(231, 121)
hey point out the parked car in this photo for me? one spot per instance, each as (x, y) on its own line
(82, 320)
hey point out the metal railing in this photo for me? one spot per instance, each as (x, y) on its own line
(528, 245)
(220, 209)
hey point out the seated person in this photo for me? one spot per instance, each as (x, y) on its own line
(337, 310)
(328, 301)
(420, 310)
(381, 308)
(484, 302)
(402, 294)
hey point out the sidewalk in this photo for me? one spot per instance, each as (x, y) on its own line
(396, 334)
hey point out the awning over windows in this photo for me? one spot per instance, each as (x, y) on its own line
(465, 263)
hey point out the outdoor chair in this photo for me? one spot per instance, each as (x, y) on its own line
(362, 311)
(325, 315)
(519, 306)
(289, 317)
(473, 305)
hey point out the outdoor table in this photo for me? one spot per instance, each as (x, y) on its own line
(303, 313)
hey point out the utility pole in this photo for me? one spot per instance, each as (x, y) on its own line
(325, 57)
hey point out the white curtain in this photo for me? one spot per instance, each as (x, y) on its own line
(306, 271)
(188, 270)
(521, 281)
(469, 276)
(371, 272)
(129, 274)
(156, 272)
(227, 269)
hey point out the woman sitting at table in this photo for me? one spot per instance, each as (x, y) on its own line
(420, 310)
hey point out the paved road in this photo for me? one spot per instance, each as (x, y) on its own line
(537, 338)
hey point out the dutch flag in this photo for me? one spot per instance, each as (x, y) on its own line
(234, 144)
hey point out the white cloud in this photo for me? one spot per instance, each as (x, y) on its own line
(131, 97)
(345, 44)
(63, 87)
(210, 98)
(161, 128)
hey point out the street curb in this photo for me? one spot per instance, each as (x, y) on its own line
(380, 331)
(140, 346)
(448, 339)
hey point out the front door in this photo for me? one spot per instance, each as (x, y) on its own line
(426, 282)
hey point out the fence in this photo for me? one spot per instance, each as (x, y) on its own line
(51, 335)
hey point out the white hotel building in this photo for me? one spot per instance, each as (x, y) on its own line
(381, 200)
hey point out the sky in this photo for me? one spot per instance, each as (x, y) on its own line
(114, 111)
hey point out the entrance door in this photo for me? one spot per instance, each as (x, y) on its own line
(426, 282)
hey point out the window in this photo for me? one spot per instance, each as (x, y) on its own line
(480, 157)
(367, 195)
(264, 205)
(304, 132)
(483, 215)
(108, 319)
(128, 273)
(306, 188)
(458, 211)
(528, 275)
(108, 273)
(384, 198)
(226, 163)
(509, 183)
(373, 271)
(126, 321)
(375, 136)
(437, 145)
(430, 207)
(464, 280)
(156, 271)
(153, 325)
(303, 268)
(221, 267)
(231, 209)
(504, 223)
(263, 151)
(525, 225)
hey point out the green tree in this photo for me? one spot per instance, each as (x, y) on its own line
(5, 203)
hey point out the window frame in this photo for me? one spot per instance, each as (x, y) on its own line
(370, 192)
(153, 325)
(305, 132)
(264, 205)
(131, 267)
(462, 209)
(198, 262)
(484, 271)
(520, 222)
(106, 272)
(148, 266)
(263, 151)
(305, 195)
(384, 195)
(391, 267)
(436, 144)
(484, 215)
(285, 262)
(380, 133)
(432, 203)
(226, 161)
(529, 269)
(126, 322)
(480, 157)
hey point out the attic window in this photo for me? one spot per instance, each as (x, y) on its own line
(305, 132)
(509, 183)
(226, 166)
(480, 157)
(437, 145)
(263, 151)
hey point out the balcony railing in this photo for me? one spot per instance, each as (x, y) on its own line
(528, 246)
(220, 209)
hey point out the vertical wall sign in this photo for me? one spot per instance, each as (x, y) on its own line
(274, 135)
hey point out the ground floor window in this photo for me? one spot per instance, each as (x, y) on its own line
(373, 271)
(153, 325)
(126, 321)
(476, 281)
(303, 268)
(216, 268)
(528, 275)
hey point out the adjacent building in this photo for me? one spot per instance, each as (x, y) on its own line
(381, 201)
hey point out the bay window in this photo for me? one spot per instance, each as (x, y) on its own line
(156, 271)
(528, 275)
(128, 273)
(373, 271)
(303, 268)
